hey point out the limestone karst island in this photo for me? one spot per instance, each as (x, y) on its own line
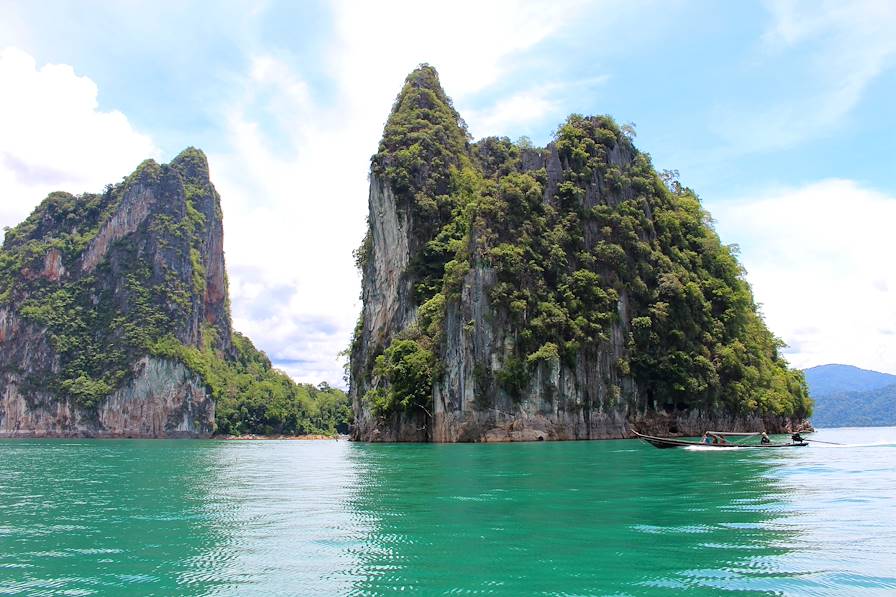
(510, 298)
(568, 292)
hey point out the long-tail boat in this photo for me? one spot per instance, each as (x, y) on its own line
(721, 439)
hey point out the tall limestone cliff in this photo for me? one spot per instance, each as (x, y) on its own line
(566, 292)
(101, 295)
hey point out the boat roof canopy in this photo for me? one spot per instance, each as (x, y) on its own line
(733, 433)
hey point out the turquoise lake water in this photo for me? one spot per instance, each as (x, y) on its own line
(320, 518)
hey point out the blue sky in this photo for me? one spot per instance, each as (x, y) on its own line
(780, 114)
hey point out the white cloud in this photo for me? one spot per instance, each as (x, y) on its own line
(820, 260)
(469, 41)
(292, 215)
(837, 49)
(527, 109)
(524, 107)
(54, 137)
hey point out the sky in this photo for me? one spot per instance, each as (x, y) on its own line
(780, 114)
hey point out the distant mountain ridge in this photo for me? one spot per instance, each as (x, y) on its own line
(847, 396)
(827, 379)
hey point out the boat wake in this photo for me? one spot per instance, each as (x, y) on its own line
(710, 448)
(877, 444)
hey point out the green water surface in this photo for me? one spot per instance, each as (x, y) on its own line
(319, 518)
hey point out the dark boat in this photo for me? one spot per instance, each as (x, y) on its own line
(717, 439)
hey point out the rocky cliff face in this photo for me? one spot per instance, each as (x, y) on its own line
(94, 292)
(162, 399)
(567, 292)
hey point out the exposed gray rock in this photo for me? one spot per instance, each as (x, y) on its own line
(133, 211)
(388, 306)
(163, 399)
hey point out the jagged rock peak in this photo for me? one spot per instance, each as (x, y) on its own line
(422, 90)
(424, 136)
(192, 164)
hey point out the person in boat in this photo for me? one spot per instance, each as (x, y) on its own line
(797, 438)
(707, 439)
(765, 439)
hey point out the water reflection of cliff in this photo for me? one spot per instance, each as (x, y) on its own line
(580, 518)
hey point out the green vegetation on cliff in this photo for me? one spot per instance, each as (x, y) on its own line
(580, 235)
(407, 367)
